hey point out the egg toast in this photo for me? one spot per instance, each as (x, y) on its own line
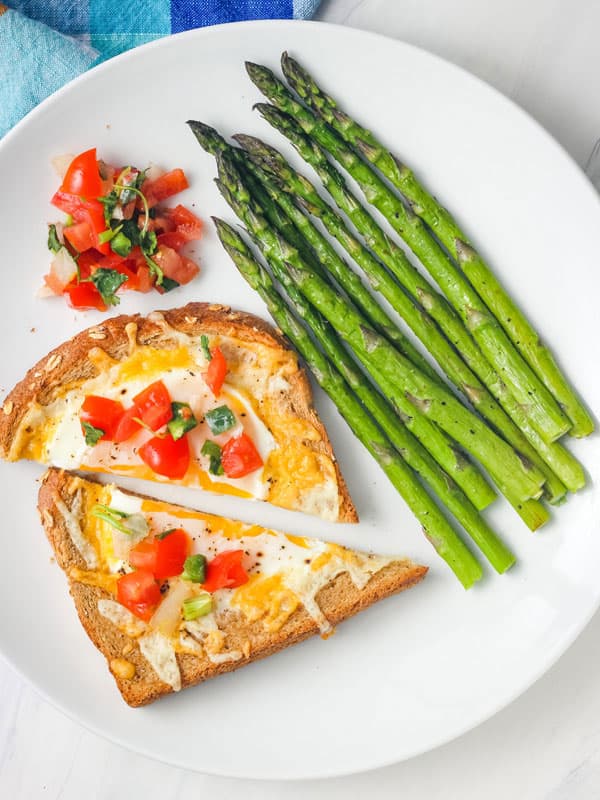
(202, 396)
(244, 591)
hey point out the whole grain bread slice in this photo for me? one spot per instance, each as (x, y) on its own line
(135, 678)
(70, 362)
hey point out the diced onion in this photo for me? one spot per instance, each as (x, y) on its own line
(61, 164)
(153, 172)
(167, 616)
(63, 267)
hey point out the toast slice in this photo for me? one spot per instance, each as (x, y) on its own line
(266, 396)
(295, 587)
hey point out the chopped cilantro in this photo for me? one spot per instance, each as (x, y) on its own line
(92, 435)
(53, 241)
(110, 202)
(168, 284)
(107, 281)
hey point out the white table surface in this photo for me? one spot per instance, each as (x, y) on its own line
(544, 54)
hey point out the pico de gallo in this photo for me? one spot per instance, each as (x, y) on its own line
(155, 557)
(117, 235)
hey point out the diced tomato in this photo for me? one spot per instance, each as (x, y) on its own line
(162, 222)
(145, 278)
(84, 210)
(225, 571)
(139, 592)
(168, 260)
(143, 555)
(110, 261)
(165, 456)
(154, 405)
(102, 413)
(187, 223)
(127, 426)
(171, 239)
(87, 262)
(239, 456)
(69, 203)
(216, 372)
(167, 185)
(80, 236)
(163, 556)
(84, 295)
(83, 176)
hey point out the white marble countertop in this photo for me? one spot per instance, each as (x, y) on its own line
(546, 745)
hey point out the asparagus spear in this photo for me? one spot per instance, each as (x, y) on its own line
(424, 204)
(543, 411)
(418, 320)
(435, 526)
(261, 185)
(533, 513)
(399, 379)
(566, 467)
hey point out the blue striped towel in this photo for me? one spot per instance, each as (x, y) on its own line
(46, 43)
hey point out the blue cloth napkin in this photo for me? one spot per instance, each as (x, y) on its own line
(46, 43)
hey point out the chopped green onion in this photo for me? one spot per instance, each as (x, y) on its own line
(92, 435)
(213, 451)
(53, 241)
(205, 347)
(121, 244)
(183, 420)
(198, 606)
(164, 534)
(108, 234)
(194, 569)
(155, 269)
(220, 419)
(131, 524)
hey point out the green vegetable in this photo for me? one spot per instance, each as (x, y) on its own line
(220, 419)
(205, 347)
(132, 524)
(108, 234)
(121, 244)
(194, 569)
(148, 242)
(53, 241)
(543, 412)
(92, 435)
(198, 606)
(107, 281)
(213, 451)
(183, 420)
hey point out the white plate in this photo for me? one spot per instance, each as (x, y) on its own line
(418, 669)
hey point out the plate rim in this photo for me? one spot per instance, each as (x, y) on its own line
(574, 630)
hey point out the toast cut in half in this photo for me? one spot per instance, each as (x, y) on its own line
(202, 396)
(245, 592)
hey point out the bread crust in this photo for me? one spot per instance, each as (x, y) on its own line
(69, 362)
(338, 600)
